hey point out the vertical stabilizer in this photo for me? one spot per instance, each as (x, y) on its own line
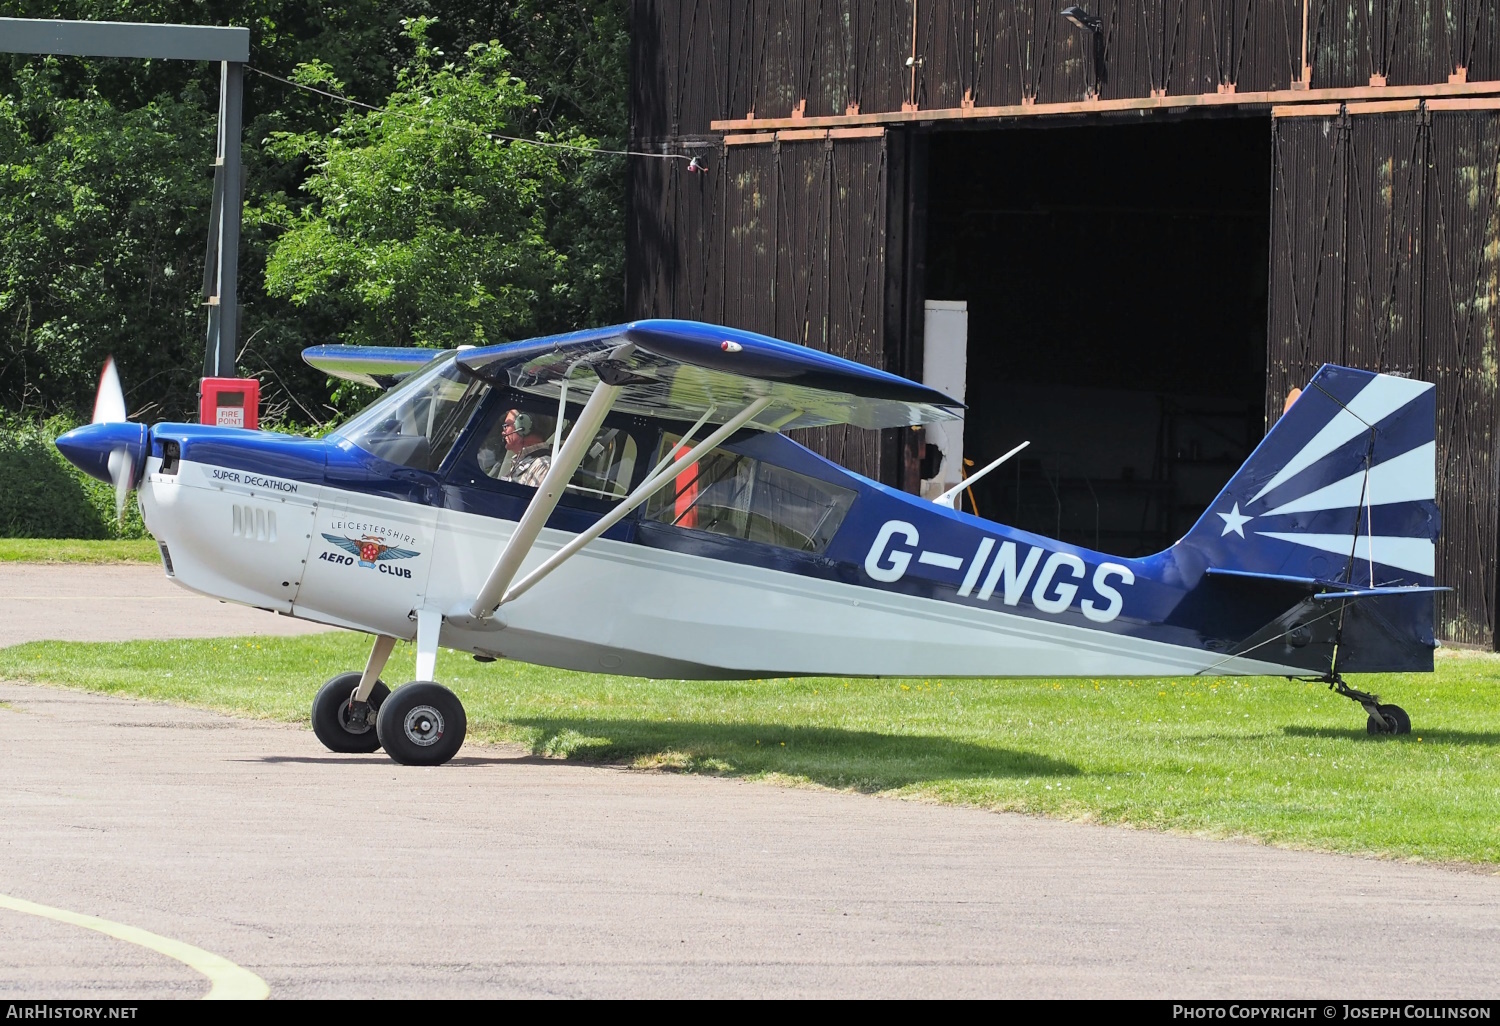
(1341, 490)
(1341, 494)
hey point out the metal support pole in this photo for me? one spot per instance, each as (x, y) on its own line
(224, 257)
(231, 48)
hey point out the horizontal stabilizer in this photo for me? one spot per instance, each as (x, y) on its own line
(1306, 582)
(1335, 512)
(1340, 591)
(1361, 593)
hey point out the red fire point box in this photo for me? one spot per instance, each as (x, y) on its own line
(230, 402)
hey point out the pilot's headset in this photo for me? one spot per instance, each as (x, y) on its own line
(525, 424)
(540, 424)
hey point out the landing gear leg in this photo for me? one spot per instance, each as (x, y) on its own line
(1383, 719)
(380, 654)
(423, 723)
(429, 624)
(344, 711)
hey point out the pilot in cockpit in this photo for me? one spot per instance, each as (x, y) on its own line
(519, 449)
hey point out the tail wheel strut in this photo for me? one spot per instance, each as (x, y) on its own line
(1383, 719)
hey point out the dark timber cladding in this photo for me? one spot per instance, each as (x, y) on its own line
(787, 239)
(812, 120)
(1384, 234)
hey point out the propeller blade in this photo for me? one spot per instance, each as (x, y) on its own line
(121, 473)
(109, 408)
(109, 405)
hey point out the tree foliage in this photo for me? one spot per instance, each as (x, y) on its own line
(42, 495)
(360, 226)
(97, 254)
(426, 228)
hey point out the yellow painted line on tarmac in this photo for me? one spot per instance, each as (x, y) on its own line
(230, 982)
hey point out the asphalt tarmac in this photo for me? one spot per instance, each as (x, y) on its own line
(123, 602)
(504, 875)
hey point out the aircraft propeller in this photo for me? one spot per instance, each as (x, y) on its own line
(109, 408)
(110, 448)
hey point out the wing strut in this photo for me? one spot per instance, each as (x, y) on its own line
(559, 473)
(649, 487)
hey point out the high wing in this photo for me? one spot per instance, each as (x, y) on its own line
(679, 370)
(684, 369)
(376, 366)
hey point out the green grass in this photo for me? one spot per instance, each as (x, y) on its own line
(1287, 763)
(53, 550)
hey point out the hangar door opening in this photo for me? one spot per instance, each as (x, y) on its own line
(1116, 285)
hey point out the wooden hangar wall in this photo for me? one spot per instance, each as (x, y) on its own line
(788, 239)
(808, 220)
(1384, 255)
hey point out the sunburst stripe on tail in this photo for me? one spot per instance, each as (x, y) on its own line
(1409, 477)
(1383, 396)
(1416, 555)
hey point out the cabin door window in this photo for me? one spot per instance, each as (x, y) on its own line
(730, 494)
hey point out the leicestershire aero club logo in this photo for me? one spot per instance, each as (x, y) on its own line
(370, 549)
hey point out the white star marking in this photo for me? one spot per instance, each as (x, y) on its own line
(1234, 521)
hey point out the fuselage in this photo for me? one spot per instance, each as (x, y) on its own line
(326, 531)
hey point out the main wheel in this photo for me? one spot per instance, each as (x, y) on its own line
(422, 724)
(340, 726)
(1395, 721)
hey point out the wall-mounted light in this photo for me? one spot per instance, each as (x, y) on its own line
(1083, 19)
(1086, 21)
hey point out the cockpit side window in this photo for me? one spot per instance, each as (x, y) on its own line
(417, 423)
(519, 446)
(607, 467)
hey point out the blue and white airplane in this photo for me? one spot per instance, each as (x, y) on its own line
(624, 500)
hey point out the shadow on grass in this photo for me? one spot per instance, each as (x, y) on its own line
(1489, 739)
(863, 760)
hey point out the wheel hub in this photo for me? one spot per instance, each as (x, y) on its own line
(423, 726)
(355, 717)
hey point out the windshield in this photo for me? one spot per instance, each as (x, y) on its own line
(416, 423)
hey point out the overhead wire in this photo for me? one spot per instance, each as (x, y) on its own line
(693, 163)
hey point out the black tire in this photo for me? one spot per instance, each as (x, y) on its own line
(1396, 721)
(330, 716)
(422, 724)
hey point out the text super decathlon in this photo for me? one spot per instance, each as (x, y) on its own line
(625, 500)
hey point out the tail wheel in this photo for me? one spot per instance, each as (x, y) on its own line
(341, 725)
(422, 724)
(1382, 719)
(1393, 720)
